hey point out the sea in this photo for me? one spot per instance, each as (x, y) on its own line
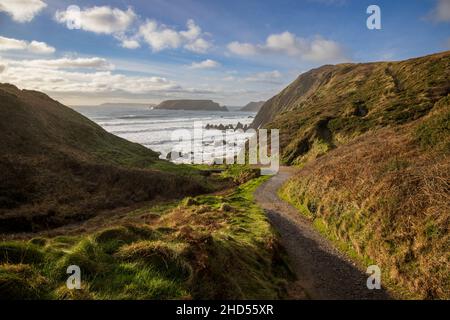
(171, 132)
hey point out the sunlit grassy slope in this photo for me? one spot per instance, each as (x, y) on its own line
(374, 144)
(328, 106)
(208, 247)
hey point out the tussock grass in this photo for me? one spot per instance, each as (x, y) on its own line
(207, 247)
(58, 167)
(21, 281)
(433, 133)
(160, 255)
(334, 104)
(17, 252)
(240, 173)
(373, 142)
(385, 200)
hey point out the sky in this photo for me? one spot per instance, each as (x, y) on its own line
(233, 52)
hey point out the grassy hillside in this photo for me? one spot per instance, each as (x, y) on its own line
(58, 167)
(328, 106)
(208, 247)
(373, 141)
(63, 179)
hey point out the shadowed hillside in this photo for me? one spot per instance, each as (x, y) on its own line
(57, 167)
(374, 144)
(207, 247)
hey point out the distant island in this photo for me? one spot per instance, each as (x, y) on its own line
(119, 104)
(253, 106)
(127, 104)
(194, 105)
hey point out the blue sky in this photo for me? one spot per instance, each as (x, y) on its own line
(230, 51)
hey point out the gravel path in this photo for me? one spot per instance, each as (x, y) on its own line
(322, 271)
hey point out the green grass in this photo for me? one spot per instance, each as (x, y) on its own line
(307, 207)
(16, 252)
(363, 213)
(434, 132)
(71, 169)
(239, 173)
(182, 169)
(22, 281)
(207, 247)
(352, 99)
(330, 228)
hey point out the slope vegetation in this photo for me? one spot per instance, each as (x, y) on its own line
(208, 247)
(374, 144)
(332, 104)
(57, 167)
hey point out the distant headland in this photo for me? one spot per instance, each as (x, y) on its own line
(194, 105)
(253, 106)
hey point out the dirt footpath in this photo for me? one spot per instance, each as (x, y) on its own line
(322, 271)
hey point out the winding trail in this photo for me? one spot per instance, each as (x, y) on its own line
(322, 271)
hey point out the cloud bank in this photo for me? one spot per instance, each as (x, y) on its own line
(123, 24)
(79, 75)
(205, 64)
(160, 37)
(101, 20)
(37, 47)
(287, 43)
(22, 10)
(441, 13)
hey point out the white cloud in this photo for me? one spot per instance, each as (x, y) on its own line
(287, 43)
(2, 67)
(71, 76)
(441, 13)
(40, 48)
(242, 49)
(130, 44)
(160, 37)
(323, 50)
(7, 44)
(206, 64)
(199, 45)
(10, 44)
(70, 63)
(269, 77)
(102, 20)
(119, 23)
(193, 31)
(22, 10)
